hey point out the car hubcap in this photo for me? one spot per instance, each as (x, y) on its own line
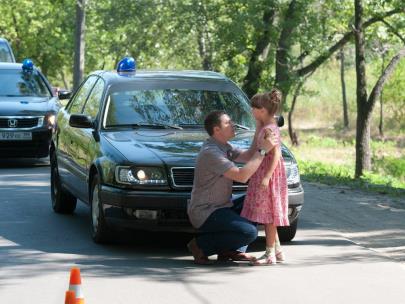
(95, 210)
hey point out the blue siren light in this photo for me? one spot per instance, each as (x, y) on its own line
(126, 65)
(27, 65)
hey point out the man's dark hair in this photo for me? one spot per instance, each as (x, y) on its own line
(212, 120)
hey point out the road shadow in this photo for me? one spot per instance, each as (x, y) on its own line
(24, 162)
(32, 236)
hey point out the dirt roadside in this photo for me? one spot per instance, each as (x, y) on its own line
(371, 220)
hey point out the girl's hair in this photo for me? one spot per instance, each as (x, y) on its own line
(269, 100)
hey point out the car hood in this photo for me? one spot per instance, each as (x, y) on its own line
(25, 106)
(174, 148)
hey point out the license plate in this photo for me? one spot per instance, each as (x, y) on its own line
(15, 136)
(146, 214)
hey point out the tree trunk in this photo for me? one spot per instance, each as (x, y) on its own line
(363, 154)
(203, 37)
(291, 132)
(63, 76)
(363, 159)
(78, 69)
(342, 80)
(205, 54)
(283, 76)
(381, 124)
(377, 89)
(251, 83)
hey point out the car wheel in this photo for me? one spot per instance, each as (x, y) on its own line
(100, 229)
(62, 201)
(287, 233)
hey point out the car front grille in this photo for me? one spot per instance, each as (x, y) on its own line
(18, 122)
(183, 177)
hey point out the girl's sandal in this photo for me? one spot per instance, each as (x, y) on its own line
(265, 260)
(280, 258)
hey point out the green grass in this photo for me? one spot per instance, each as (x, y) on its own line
(331, 174)
(329, 158)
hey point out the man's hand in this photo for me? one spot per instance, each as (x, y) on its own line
(265, 183)
(269, 141)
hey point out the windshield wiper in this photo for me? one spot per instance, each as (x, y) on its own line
(150, 125)
(241, 126)
(184, 125)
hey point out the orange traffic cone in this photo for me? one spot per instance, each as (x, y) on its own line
(75, 285)
(70, 297)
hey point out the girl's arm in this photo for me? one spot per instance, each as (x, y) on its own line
(273, 164)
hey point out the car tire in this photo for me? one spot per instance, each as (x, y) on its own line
(100, 230)
(287, 233)
(62, 201)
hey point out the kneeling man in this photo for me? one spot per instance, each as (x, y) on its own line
(221, 229)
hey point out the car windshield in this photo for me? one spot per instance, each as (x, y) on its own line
(15, 83)
(183, 106)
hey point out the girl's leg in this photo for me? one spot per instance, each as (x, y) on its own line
(271, 235)
(279, 252)
(269, 257)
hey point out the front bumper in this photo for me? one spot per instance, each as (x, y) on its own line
(169, 208)
(37, 147)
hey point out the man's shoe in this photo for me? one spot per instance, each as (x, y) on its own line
(198, 255)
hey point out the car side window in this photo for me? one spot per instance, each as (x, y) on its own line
(93, 102)
(76, 105)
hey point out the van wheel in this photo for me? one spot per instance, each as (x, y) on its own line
(287, 233)
(62, 201)
(100, 230)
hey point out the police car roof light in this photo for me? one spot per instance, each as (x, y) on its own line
(27, 65)
(127, 64)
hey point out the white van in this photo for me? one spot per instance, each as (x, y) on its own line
(6, 53)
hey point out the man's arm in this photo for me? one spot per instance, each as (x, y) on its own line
(243, 174)
(246, 155)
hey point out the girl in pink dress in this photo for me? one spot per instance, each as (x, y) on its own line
(266, 199)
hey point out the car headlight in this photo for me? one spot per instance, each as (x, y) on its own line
(140, 175)
(293, 175)
(49, 120)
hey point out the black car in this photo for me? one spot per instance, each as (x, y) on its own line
(126, 145)
(27, 111)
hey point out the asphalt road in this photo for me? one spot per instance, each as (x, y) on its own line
(350, 248)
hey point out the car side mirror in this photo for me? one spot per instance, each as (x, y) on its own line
(64, 94)
(81, 121)
(280, 121)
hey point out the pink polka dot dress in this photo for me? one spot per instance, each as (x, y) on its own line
(268, 206)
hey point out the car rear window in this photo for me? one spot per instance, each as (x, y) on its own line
(183, 104)
(15, 83)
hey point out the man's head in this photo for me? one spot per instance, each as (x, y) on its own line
(219, 125)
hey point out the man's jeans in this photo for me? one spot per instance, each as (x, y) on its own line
(226, 230)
